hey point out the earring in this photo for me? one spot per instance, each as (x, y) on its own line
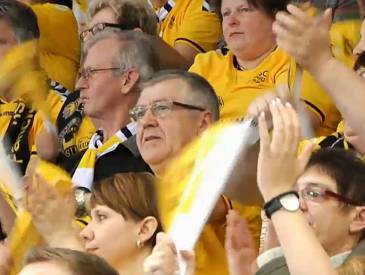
(140, 244)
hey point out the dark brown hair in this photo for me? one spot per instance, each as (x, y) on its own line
(270, 7)
(130, 194)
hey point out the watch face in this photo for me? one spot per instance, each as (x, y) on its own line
(290, 202)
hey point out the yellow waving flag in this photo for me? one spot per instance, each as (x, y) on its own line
(21, 76)
(24, 235)
(189, 190)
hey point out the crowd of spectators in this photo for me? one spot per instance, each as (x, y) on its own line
(99, 98)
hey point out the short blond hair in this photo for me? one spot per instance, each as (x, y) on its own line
(132, 13)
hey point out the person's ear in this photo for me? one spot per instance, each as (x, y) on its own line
(128, 81)
(137, 30)
(147, 228)
(358, 222)
(206, 121)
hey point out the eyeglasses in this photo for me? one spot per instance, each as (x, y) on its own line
(100, 27)
(159, 109)
(86, 73)
(320, 194)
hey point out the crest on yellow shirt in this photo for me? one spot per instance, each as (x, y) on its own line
(261, 77)
(70, 109)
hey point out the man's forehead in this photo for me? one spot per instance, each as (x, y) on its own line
(171, 89)
(97, 53)
(5, 27)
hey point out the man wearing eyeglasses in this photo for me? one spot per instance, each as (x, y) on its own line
(174, 108)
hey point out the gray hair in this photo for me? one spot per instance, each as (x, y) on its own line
(201, 92)
(130, 13)
(136, 51)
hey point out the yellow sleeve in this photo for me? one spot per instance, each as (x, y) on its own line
(318, 101)
(201, 64)
(286, 75)
(59, 42)
(341, 127)
(200, 30)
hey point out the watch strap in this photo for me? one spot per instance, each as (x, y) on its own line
(274, 204)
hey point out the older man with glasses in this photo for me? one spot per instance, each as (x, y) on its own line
(174, 108)
(108, 90)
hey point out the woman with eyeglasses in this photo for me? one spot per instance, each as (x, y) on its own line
(315, 203)
(123, 15)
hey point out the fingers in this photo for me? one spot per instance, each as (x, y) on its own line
(300, 16)
(163, 259)
(278, 136)
(289, 23)
(283, 92)
(189, 258)
(293, 129)
(237, 233)
(260, 104)
(326, 19)
(163, 240)
(286, 128)
(264, 134)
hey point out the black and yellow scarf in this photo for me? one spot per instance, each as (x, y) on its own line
(16, 135)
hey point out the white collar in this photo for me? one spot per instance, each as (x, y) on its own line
(162, 12)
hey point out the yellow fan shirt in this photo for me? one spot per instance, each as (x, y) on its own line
(190, 23)
(236, 88)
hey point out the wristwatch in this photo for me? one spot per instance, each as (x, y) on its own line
(81, 210)
(288, 201)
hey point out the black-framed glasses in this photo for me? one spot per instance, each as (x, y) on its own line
(100, 27)
(160, 109)
(86, 73)
(319, 194)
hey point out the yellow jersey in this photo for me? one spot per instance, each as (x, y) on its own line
(189, 22)
(59, 42)
(237, 88)
(321, 104)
